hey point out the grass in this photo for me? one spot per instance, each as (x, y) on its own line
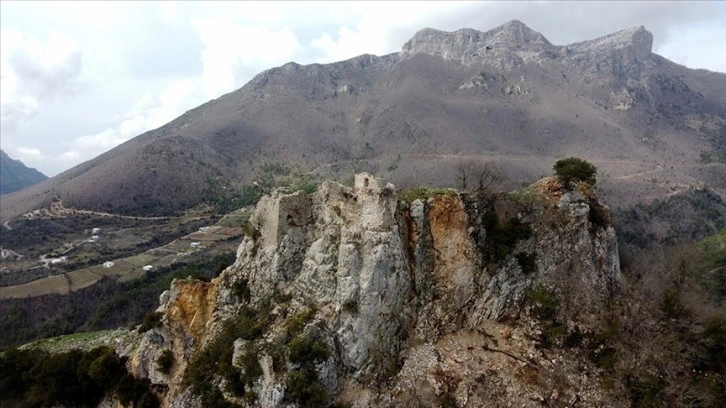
(425, 193)
(84, 340)
(526, 196)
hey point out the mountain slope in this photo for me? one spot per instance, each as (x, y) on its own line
(14, 175)
(505, 96)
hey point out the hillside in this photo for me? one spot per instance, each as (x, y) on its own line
(14, 175)
(505, 96)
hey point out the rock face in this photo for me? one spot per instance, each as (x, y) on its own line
(384, 291)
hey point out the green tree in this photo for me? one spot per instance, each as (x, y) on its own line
(574, 169)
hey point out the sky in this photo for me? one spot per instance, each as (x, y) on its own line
(79, 78)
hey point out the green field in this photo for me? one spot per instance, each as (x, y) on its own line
(215, 241)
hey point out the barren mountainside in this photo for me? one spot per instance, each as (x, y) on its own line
(506, 96)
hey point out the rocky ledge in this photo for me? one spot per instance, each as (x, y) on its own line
(368, 296)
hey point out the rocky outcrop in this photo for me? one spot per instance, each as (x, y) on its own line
(507, 46)
(369, 283)
(514, 44)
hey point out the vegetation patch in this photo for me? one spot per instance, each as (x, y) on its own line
(152, 320)
(249, 364)
(502, 237)
(306, 352)
(573, 169)
(350, 306)
(241, 289)
(33, 378)
(423, 194)
(528, 262)
(108, 304)
(297, 323)
(303, 388)
(165, 361)
(216, 359)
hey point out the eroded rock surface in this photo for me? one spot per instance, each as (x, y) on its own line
(391, 299)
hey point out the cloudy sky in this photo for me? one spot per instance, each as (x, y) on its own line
(79, 78)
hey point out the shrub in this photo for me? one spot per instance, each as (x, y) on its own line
(241, 290)
(306, 352)
(297, 323)
(165, 361)
(574, 169)
(527, 262)
(30, 378)
(216, 358)
(304, 388)
(711, 351)
(502, 237)
(250, 364)
(151, 320)
(350, 306)
(545, 302)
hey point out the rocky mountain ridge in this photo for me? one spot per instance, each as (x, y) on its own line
(370, 297)
(15, 175)
(506, 96)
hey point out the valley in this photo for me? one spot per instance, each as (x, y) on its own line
(69, 257)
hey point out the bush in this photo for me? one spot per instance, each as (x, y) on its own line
(304, 351)
(216, 358)
(30, 378)
(574, 169)
(304, 388)
(250, 364)
(350, 306)
(545, 302)
(151, 320)
(503, 237)
(297, 323)
(241, 290)
(165, 361)
(528, 262)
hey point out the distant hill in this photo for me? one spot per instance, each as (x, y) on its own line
(506, 96)
(14, 175)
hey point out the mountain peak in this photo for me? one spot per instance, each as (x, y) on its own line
(512, 34)
(506, 46)
(638, 39)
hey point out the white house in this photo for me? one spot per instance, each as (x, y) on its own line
(96, 231)
(108, 264)
(196, 244)
(148, 267)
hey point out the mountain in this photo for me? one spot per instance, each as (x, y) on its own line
(14, 175)
(507, 97)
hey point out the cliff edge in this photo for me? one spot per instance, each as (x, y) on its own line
(368, 296)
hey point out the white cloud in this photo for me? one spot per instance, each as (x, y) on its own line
(229, 49)
(32, 71)
(380, 27)
(148, 113)
(170, 13)
(697, 47)
(28, 155)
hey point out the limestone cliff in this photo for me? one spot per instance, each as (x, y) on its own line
(370, 297)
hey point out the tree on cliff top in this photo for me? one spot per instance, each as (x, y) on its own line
(574, 169)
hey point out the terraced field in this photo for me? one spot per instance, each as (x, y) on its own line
(214, 240)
